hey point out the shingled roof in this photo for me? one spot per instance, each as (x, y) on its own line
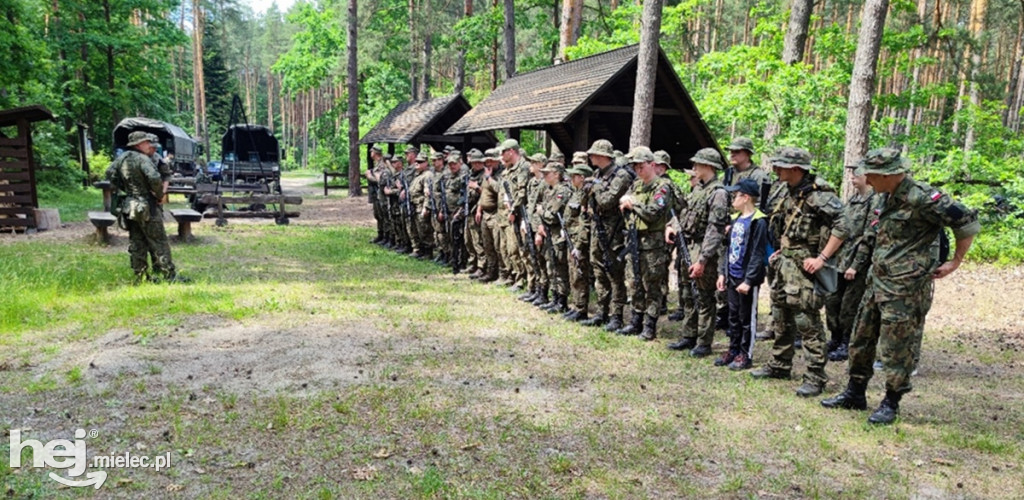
(415, 122)
(592, 98)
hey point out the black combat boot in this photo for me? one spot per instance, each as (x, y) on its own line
(677, 315)
(575, 315)
(561, 305)
(840, 353)
(636, 323)
(683, 344)
(599, 319)
(541, 299)
(551, 303)
(615, 323)
(529, 296)
(650, 329)
(888, 410)
(851, 399)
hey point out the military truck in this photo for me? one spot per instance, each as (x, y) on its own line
(176, 146)
(250, 159)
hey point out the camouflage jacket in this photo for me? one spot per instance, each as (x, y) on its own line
(651, 204)
(908, 226)
(536, 190)
(856, 250)
(455, 192)
(135, 175)
(705, 218)
(555, 199)
(492, 187)
(806, 217)
(609, 185)
(474, 194)
(418, 188)
(577, 220)
(437, 179)
(518, 176)
(678, 196)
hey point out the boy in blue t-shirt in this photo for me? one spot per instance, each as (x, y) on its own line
(741, 272)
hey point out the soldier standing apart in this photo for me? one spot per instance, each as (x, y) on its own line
(577, 225)
(607, 240)
(550, 228)
(904, 266)
(650, 204)
(422, 235)
(741, 272)
(812, 231)
(487, 214)
(703, 224)
(135, 175)
(853, 259)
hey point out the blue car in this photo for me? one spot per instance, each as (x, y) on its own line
(213, 170)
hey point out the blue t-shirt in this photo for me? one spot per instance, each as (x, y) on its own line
(738, 245)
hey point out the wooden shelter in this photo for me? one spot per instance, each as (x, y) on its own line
(591, 98)
(424, 122)
(18, 200)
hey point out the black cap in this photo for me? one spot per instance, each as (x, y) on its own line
(746, 186)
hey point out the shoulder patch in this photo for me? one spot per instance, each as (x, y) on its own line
(935, 196)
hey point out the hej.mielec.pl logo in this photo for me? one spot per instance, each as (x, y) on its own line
(71, 455)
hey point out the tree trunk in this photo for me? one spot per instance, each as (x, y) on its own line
(646, 74)
(569, 32)
(354, 188)
(865, 61)
(510, 38)
(494, 58)
(1010, 116)
(796, 33)
(198, 88)
(427, 50)
(414, 73)
(460, 65)
(979, 9)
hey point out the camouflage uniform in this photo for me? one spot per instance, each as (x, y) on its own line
(555, 200)
(418, 186)
(841, 306)
(536, 192)
(515, 179)
(490, 204)
(678, 200)
(373, 189)
(141, 185)
(703, 224)
(474, 235)
(437, 183)
(652, 204)
(610, 184)
(900, 282)
(577, 225)
(803, 222)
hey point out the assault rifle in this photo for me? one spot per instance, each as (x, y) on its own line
(444, 210)
(633, 249)
(407, 202)
(683, 256)
(602, 235)
(568, 239)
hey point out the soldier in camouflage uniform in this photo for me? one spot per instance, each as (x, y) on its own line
(904, 265)
(474, 234)
(577, 225)
(514, 180)
(488, 218)
(423, 234)
(853, 260)
(392, 189)
(138, 181)
(549, 234)
(703, 224)
(537, 278)
(662, 162)
(440, 176)
(455, 191)
(649, 205)
(808, 229)
(611, 182)
(373, 187)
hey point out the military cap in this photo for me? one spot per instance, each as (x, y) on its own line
(708, 156)
(448, 148)
(412, 149)
(558, 156)
(662, 157)
(742, 143)
(437, 155)
(509, 144)
(640, 154)
(454, 157)
(539, 158)
(580, 169)
(139, 136)
(376, 149)
(473, 150)
(602, 147)
(746, 186)
(396, 158)
(552, 167)
(789, 157)
(475, 156)
(884, 161)
(492, 154)
(421, 157)
(580, 158)
(386, 157)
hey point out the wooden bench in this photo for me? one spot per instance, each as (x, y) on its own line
(107, 189)
(185, 218)
(102, 220)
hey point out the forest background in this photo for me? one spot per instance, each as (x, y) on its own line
(948, 90)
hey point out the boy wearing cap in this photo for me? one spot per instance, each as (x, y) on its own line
(741, 272)
(549, 230)
(904, 265)
(809, 228)
(538, 281)
(578, 228)
(420, 229)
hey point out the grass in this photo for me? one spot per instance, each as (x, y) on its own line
(435, 387)
(73, 204)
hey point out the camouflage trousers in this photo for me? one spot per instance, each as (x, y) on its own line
(511, 266)
(419, 227)
(841, 307)
(558, 269)
(441, 243)
(699, 318)
(398, 230)
(148, 240)
(797, 311)
(896, 328)
(653, 269)
(475, 245)
(537, 277)
(609, 278)
(490, 232)
(378, 216)
(580, 276)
